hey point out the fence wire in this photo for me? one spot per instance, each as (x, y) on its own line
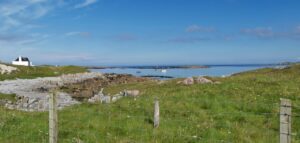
(123, 123)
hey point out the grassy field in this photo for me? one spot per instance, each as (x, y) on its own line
(41, 71)
(10, 97)
(242, 109)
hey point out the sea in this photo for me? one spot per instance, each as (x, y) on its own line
(212, 70)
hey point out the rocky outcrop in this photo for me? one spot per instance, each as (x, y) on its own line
(132, 93)
(38, 104)
(4, 69)
(100, 97)
(32, 94)
(90, 87)
(197, 80)
(202, 80)
(188, 81)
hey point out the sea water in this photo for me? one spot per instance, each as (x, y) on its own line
(181, 73)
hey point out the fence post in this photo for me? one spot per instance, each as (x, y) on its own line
(156, 114)
(53, 126)
(285, 120)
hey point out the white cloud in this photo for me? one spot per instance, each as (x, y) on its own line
(14, 39)
(63, 58)
(14, 14)
(260, 32)
(125, 37)
(17, 13)
(9, 38)
(36, 1)
(269, 33)
(297, 30)
(76, 33)
(85, 3)
(199, 28)
(188, 39)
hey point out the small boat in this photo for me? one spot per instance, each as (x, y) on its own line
(164, 71)
(138, 72)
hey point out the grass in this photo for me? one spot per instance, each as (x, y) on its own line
(10, 97)
(243, 108)
(41, 71)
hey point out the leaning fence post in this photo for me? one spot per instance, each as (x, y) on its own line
(53, 126)
(156, 114)
(285, 120)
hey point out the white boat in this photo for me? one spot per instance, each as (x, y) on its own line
(163, 71)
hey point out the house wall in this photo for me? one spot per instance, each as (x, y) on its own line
(20, 63)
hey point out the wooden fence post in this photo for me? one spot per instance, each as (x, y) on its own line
(285, 120)
(53, 126)
(156, 114)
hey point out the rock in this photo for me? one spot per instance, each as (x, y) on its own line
(161, 82)
(122, 93)
(105, 99)
(179, 82)
(19, 106)
(41, 105)
(25, 100)
(217, 82)
(32, 106)
(31, 91)
(30, 110)
(10, 106)
(25, 105)
(100, 97)
(198, 80)
(4, 69)
(32, 101)
(3, 102)
(36, 104)
(188, 81)
(132, 93)
(202, 80)
(91, 101)
(115, 98)
(97, 98)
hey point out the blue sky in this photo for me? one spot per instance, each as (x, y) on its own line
(150, 32)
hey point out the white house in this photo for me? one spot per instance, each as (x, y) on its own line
(22, 61)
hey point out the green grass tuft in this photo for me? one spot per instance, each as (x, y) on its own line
(10, 97)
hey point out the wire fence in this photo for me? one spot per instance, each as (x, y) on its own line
(132, 121)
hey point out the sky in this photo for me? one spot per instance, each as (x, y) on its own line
(150, 32)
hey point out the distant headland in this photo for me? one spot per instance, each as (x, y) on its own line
(185, 66)
(149, 67)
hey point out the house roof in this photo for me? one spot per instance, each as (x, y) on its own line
(24, 59)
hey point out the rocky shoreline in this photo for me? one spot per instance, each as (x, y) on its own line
(33, 94)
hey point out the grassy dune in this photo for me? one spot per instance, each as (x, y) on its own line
(41, 71)
(243, 108)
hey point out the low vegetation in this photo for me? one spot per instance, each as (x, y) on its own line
(243, 108)
(41, 71)
(10, 97)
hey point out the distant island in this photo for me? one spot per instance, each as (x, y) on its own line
(148, 67)
(186, 66)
